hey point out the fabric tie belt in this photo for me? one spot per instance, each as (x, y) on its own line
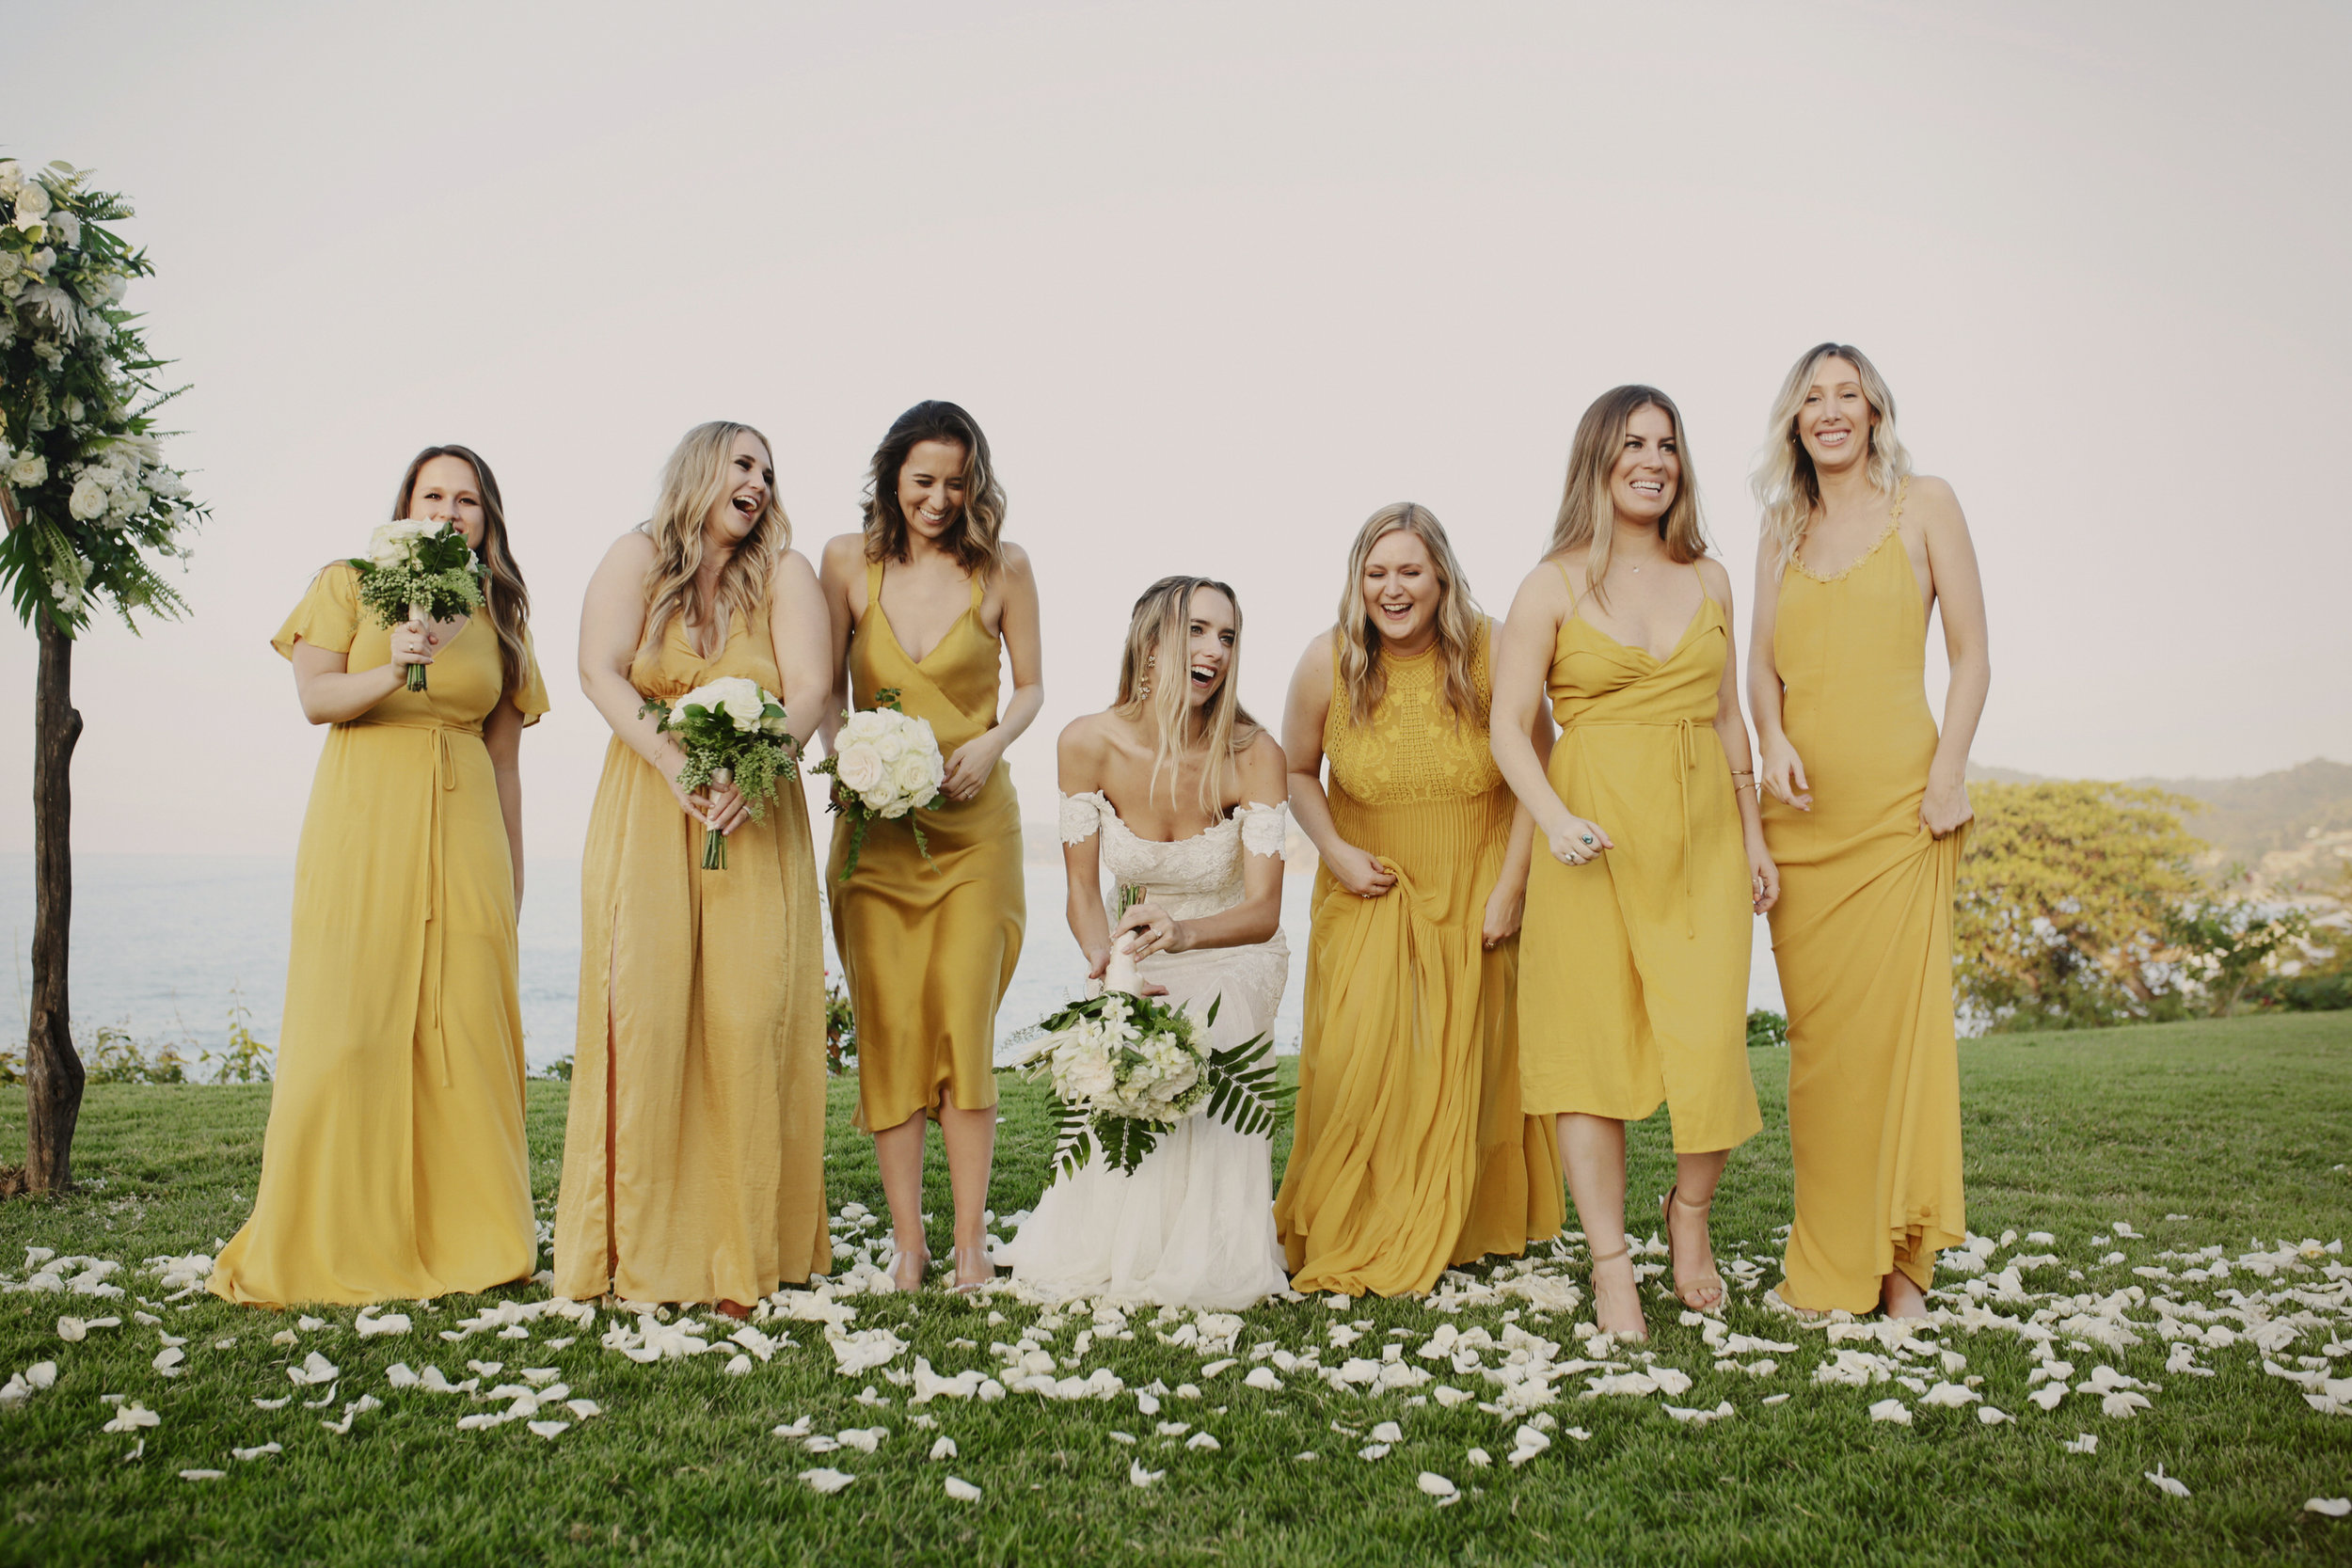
(1687, 757)
(430, 1033)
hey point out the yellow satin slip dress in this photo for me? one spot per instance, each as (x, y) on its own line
(1410, 1150)
(694, 1146)
(1863, 936)
(928, 947)
(1635, 991)
(395, 1166)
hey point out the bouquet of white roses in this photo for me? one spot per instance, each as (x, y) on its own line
(1125, 1068)
(734, 732)
(885, 765)
(416, 570)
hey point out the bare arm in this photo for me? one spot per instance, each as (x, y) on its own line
(330, 694)
(1506, 905)
(801, 633)
(1303, 718)
(844, 572)
(611, 623)
(1779, 769)
(502, 737)
(1019, 625)
(1958, 588)
(1259, 914)
(1732, 731)
(1078, 758)
(1522, 661)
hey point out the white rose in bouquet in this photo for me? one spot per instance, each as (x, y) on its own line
(891, 744)
(912, 774)
(885, 801)
(859, 767)
(862, 728)
(32, 203)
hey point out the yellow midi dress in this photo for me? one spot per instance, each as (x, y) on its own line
(1409, 1150)
(395, 1165)
(928, 947)
(1863, 936)
(1635, 990)
(695, 1148)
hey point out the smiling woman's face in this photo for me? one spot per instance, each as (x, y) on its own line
(1649, 468)
(1401, 587)
(448, 490)
(1210, 635)
(930, 486)
(751, 479)
(1836, 419)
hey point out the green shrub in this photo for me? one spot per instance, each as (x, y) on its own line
(1766, 1028)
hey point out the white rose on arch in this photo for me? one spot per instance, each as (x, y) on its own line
(91, 499)
(28, 471)
(32, 202)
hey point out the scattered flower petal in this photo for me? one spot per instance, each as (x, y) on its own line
(827, 1480)
(962, 1491)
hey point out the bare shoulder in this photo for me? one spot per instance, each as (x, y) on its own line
(1261, 763)
(1717, 579)
(1315, 663)
(1013, 561)
(1085, 737)
(792, 570)
(844, 553)
(1932, 503)
(634, 548)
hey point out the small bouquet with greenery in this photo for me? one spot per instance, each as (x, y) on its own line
(416, 570)
(885, 765)
(1126, 1068)
(734, 732)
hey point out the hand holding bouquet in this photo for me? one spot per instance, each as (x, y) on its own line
(1125, 1068)
(416, 570)
(734, 733)
(883, 765)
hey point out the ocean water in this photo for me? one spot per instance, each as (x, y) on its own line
(166, 945)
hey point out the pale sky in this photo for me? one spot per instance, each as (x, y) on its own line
(1219, 280)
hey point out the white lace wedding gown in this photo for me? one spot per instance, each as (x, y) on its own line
(1194, 1225)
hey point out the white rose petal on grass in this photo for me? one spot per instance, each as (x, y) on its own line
(391, 1322)
(2119, 1405)
(1138, 1475)
(2335, 1507)
(549, 1430)
(281, 1403)
(131, 1417)
(827, 1480)
(1991, 1416)
(1371, 1452)
(201, 1475)
(1480, 1458)
(1204, 1441)
(739, 1367)
(2084, 1443)
(962, 1491)
(945, 1448)
(1891, 1410)
(310, 1325)
(2170, 1486)
(1438, 1487)
(1951, 1395)
(246, 1456)
(1263, 1378)
(167, 1361)
(1449, 1397)
(315, 1369)
(1387, 1431)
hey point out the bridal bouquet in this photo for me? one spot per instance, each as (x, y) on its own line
(1125, 1068)
(416, 570)
(734, 733)
(885, 765)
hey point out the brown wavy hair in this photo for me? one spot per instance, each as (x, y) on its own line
(697, 475)
(1586, 514)
(1162, 618)
(971, 537)
(1355, 641)
(504, 597)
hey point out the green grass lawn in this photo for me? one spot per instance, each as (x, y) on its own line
(2244, 1127)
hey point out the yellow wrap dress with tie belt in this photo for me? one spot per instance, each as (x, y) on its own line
(928, 947)
(1634, 970)
(395, 1164)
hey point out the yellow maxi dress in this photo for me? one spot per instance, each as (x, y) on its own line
(395, 1165)
(1863, 936)
(928, 947)
(1636, 987)
(1410, 1150)
(694, 1148)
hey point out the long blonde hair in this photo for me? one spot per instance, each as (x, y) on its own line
(1355, 641)
(698, 475)
(507, 601)
(1588, 517)
(1786, 485)
(1163, 621)
(973, 538)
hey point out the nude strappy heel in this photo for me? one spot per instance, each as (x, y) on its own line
(1596, 1260)
(1694, 1294)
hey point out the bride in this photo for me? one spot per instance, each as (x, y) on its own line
(1169, 787)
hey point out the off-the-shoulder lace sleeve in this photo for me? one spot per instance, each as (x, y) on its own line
(328, 615)
(1263, 828)
(1081, 818)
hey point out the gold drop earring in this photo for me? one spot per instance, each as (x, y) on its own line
(1143, 687)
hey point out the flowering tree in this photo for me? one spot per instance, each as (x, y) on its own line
(88, 501)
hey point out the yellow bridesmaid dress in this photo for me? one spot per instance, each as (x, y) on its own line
(1636, 992)
(928, 947)
(395, 1165)
(1409, 1150)
(1863, 936)
(694, 1152)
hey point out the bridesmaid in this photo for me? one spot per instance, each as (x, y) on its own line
(927, 601)
(1410, 1150)
(693, 1154)
(394, 1164)
(1639, 918)
(1856, 553)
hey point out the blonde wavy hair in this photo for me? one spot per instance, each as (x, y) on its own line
(1162, 618)
(1787, 488)
(1588, 517)
(973, 537)
(1355, 639)
(698, 475)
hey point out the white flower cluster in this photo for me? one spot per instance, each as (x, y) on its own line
(392, 543)
(740, 699)
(1116, 1065)
(889, 761)
(121, 481)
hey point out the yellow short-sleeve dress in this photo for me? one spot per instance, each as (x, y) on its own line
(395, 1165)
